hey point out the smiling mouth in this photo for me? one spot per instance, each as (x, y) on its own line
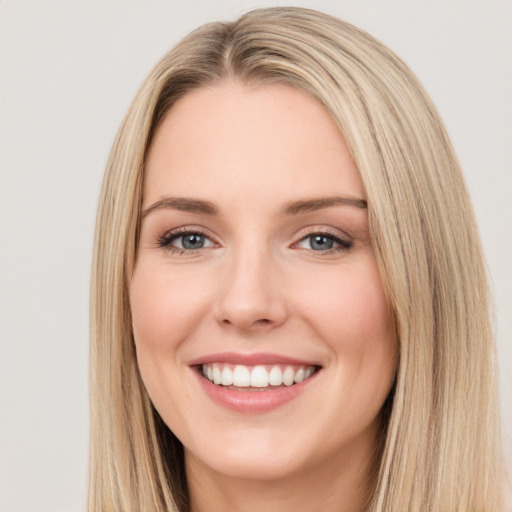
(256, 378)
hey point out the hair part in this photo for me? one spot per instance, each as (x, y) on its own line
(441, 437)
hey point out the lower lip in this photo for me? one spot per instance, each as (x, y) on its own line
(253, 401)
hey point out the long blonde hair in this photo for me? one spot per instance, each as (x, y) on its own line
(440, 439)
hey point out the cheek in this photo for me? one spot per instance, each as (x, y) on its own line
(150, 307)
(165, 306)
(349, 308)
(349, 311)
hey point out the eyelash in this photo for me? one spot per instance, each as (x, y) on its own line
(343, 244)
(167, 238)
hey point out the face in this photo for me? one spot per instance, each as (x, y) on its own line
(262, 332)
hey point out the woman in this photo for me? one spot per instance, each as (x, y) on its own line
(289, 306)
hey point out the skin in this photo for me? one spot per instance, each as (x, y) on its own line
(259, 285)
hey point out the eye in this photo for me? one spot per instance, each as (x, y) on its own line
(323, 242)
(184, 241)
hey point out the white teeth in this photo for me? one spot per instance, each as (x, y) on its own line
(259, 377)
(241, 376)
(275, 377)
(299, 376)
(217, 376)
(288, 376)
(227, 376)
(256, 377)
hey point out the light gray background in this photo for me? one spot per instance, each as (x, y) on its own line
(68, 72)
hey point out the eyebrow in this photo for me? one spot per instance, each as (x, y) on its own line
(183, 204)
(310, 205)
(290, 208)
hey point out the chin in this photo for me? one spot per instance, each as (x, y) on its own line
(258, 459)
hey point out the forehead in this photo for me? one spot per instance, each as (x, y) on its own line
(267, 139)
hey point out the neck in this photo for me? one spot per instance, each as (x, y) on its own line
(326, 487)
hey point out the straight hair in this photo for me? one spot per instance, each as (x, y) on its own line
(440, 435)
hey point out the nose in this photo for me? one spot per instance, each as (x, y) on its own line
(251, 297)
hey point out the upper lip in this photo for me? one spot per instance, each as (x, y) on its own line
(253, 359)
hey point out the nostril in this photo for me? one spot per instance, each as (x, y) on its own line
(261, 321)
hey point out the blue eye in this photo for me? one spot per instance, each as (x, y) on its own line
(191, 241)
(322, 242)
(185, 241)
